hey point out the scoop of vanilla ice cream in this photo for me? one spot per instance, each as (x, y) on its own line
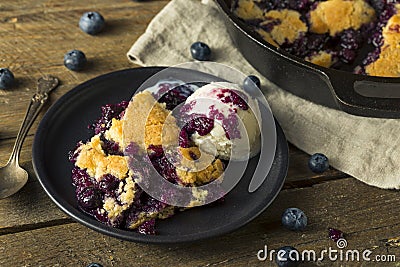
(236, 131)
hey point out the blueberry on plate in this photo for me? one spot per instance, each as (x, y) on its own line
(75, 60)
(6, 78)
(200, 51)
(251, 81)
(287, 256)
(92, 22)
(318, 163)
(294, 219)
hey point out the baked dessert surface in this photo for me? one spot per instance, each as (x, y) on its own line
(132, 142)
(329, 33)
(108, 167)
(388, 62)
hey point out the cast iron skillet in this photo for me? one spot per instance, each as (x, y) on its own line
(66, 122)
(353, 93)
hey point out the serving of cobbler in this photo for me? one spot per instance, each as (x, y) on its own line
(330, 33)
(108, 167)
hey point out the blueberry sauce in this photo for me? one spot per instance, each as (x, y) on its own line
(230, 96)
(162, 164)
(335, 234)
(108, 112)
(172, 94)
(148, 227)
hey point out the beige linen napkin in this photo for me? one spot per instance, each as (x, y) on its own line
(366, 148)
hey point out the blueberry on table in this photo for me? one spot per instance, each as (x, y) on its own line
(287, 256)
(250, 81)
(200, 51)
(92, 23)
(335, 234)
(294, 219)
(318, 163)
(75, 60)
(6, 78)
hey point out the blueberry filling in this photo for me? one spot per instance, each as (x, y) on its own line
(230, 96)
(346, 48)
(108, 112)
(175, 96)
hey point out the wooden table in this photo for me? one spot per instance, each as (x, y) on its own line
(34, 232)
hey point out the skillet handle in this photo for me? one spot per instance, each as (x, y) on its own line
(366, 95)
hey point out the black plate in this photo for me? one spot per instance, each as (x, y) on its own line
(66, 122)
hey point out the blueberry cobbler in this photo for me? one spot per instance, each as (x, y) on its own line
(108, 167)
(330, 33)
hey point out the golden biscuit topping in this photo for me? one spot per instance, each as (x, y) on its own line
(199, 197)
(289, 25)
(267, 37)
(92, 158)
(144, 112)
(212, 172)
(334, 16)
(388, 64)
(112, 208)
(322, 58)
(247, 9)
(115, 132)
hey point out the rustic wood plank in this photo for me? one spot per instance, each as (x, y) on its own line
(30, 207)
(367, 224)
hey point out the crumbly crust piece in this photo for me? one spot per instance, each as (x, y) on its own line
(322, 58)
(388, 64)
(115, 132)
(210, 173)
(290, 26)
(267, 37)
(144, 112)
(247, 9)
(199, 197)
(143, 217)
(92, 158)
(127, 192)
(334, 16)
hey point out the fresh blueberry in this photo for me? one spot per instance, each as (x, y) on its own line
(200, 51)
(95, 265)
(287, 256)
(294, 219)
(318, 163)
(75, 60)
(250, 81)
(91, 22)
(6, 78)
